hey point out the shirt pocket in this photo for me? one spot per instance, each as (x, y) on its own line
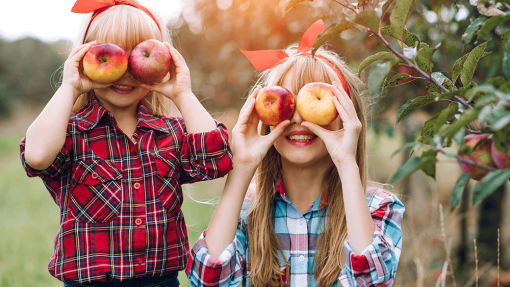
(96, 193)
(168, 185)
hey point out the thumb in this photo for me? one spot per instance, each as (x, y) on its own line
(277, 131)
(316, 129)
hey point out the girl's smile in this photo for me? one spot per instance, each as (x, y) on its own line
(122, 88)
(300, 138)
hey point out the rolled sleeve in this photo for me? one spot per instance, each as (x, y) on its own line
(378, 262)
(206, 155)
(56, 169)
(206, 270)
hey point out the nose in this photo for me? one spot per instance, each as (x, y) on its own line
(296, 118)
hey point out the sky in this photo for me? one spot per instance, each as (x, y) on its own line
(52, 20)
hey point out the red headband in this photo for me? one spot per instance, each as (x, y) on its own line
(98, 6)
(267, 59)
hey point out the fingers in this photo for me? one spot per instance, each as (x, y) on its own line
(252, 96)
(341, 111)
(277, 131)
(78, 53)
(344, 100)
(316, 129)
(176, 56)
(246, 111)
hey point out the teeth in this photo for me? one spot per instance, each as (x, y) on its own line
(122, 87)
(301, 138)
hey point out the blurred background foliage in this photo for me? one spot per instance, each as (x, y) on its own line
(209, 34)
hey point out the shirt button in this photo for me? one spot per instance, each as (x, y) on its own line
(301, 258)
(138, 221)
(95, 175)
(136, 185)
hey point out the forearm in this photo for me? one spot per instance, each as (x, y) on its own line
(360, 227)
(223, 225)
(46, 135)
(196, 117)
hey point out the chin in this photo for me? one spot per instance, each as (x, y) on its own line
(121, 100)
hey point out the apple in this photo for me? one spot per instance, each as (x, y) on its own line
(105, 62)
(502, 160)
(274, 104)
(481, 155)
(315, 103)
(149, 62)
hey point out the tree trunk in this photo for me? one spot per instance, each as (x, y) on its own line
(464, 245)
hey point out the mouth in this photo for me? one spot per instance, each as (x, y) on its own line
(122, 89)
(301, 138)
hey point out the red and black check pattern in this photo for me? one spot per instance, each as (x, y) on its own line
(120, 200)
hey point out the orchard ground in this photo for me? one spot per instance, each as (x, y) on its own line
(30, 217)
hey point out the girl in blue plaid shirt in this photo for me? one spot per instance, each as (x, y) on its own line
(308, 216)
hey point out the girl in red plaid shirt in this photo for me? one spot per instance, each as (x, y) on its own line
(113, 158)
(309, 216)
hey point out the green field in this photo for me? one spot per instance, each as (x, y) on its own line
(30, 220)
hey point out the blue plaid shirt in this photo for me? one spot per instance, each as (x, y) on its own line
(298, 235)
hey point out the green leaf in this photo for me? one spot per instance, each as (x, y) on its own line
(398, 17)
(424, 57)
(396, 78)
(458, 189)
(468, 69)
(492, 23)
(290, 3)
(430, 168)
(489, 183)
(463, 120)
(385, 7)
(504, 39)
(459, 137)
(457, 67)
(427, 131)
(413, 145)
(444, 116)
(415, 103)
(501, 139)
(506, 60)
(370, 59)
(330, 33)
(410, 39)
(375, 77)
(368, 19)
(472, 29)
(499, 118)
(411, 166)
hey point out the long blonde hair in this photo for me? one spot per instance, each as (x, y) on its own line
(265, 249)
(127, 26)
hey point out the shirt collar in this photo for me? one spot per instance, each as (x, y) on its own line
(280, 190)
(93, 112)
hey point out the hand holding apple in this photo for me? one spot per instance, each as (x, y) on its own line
(315, 103)
(149, 62)
(341, 144)
(73, 77)
(274, 105)
(105, 63)
(481, 155)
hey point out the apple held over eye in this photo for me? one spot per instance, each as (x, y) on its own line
(481, 155)
(315, 103)
(149, 62)
(105, 62)
(274, 104)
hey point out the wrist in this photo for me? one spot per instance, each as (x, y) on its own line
(346, 165)
(70, 89)
(182, 98)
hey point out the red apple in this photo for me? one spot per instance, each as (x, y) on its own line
(481, 155)
(502, 160)
(274, 104)
(105, 62)
(315, 103)
(149, 62)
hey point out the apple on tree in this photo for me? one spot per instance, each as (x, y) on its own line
(480, 155)
(105, 62)
(315, 103)
(274, 104)
(149, 62)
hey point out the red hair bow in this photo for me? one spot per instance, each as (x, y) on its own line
(267, 59)
(98, 6)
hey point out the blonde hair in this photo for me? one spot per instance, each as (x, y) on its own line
(265, 249)
(127, 26)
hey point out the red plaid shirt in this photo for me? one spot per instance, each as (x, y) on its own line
(120, 201)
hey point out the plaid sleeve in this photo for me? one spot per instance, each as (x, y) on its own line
(206, 155)
(378, 262)
(231, 266)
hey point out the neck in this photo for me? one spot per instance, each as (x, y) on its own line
(126, 117)
(303, 184)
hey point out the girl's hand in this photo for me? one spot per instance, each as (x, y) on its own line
(180, 79)
(341, 144)
(75, 78)
(248, 146)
